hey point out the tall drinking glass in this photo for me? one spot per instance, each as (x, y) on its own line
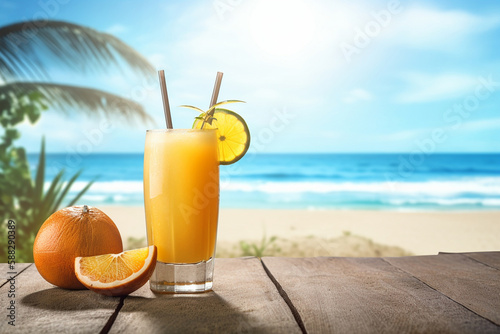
(181, 198)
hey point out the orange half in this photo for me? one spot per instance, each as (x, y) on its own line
(116, 274)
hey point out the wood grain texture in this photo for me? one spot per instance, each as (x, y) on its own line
(448, 293)
(244, 300)
(44, 308)
(368, 295)
(7, 271)
(491, 259)
(466, 281)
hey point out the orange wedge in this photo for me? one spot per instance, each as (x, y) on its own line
(116, 274)
(232, 133)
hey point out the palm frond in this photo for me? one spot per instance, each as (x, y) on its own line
(80, 194)
(24, 47)
(88, 100)
(62, 194)
(49, 196)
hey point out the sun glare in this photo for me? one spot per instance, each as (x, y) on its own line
(282, 28)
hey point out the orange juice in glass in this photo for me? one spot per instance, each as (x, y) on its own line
(181, 198)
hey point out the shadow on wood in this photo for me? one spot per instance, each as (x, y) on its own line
(68, 300)
(43, 308)
(207, 312)
(244, 300)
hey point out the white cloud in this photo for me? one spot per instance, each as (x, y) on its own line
(432, 87)
(356, 95)
(158, 59)
(467, 133)
(445, 30)
(116, 29)
(264, 74)
(310, 78)
(405, 136)
(330, 135)
(481, 125)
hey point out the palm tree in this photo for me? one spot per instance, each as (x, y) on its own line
(26, 90)
(25, 45)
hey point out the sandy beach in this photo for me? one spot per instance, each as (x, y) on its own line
(340, 233)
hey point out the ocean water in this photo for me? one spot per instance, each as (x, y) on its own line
(310, 181)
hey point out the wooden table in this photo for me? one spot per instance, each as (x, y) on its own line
(445, 293)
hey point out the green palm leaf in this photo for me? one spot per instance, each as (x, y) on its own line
(62, 194)
(47, 202)
(88, 100)
(24, 47)
(80, 194)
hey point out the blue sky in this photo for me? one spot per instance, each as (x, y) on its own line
(318, 76)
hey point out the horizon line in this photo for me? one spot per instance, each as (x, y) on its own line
(264, 153)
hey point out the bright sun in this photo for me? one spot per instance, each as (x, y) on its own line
(282, 27)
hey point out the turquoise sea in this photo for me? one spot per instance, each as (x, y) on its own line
(311, 181)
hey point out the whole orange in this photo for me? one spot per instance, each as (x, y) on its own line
(71, 232)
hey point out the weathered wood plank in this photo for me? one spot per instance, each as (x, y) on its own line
(491, 259)
(244, 300)
(7, 272)
(368, 295)
(462, 279)
(42, 308)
